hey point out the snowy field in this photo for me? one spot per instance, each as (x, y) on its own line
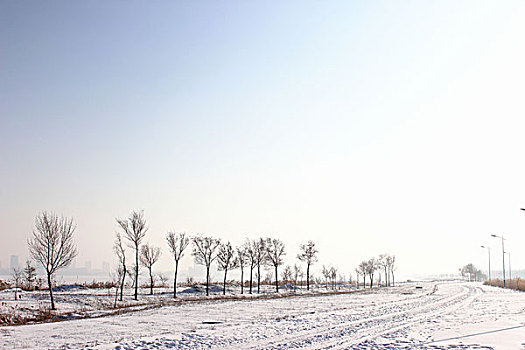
(435, 316)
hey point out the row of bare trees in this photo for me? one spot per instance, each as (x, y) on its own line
(53, 247)
(384, 262)
(251, 255)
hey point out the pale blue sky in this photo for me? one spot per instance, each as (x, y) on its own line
(368, 127)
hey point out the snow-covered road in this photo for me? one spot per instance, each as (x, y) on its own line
(436, 316)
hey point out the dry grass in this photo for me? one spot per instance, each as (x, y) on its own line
(4, 285)
(515, 283)
(99, 285)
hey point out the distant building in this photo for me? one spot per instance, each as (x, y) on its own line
(15, 264)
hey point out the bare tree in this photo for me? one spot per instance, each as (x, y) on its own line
(242, 260)
(134, 231)
(120, 251)
(259, 247)
(29, 274)
(204, 254)
(177, 243)
(297, 273)
(361, 270)
(287, 274)
(275, 253)
(333, 276)
(116, 278)
(371, 267)
(392, 266)
(131, 274)
(326, 274)
(163, 280)
(249, 247)
(52, 245)
(308, 255)
(383, 262)
(226, 261)
(149, 255)
(17, 275)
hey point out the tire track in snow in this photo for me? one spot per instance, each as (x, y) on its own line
(367, 328)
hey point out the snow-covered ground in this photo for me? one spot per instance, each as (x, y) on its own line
(436, 316)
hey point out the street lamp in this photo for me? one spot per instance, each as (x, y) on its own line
(510, 271)
(488, 248)
(503, 250)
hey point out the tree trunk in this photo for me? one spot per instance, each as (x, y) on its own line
(364, 281)
(371, 280)
(175, 279)
(386, 278)
(258, 279)
(207, 280)
(276, 280)
(224, 283)
(51, 291)
(307, 276)
(392, 278)
(151, 282)
(116, 298)
(122, 282)
(251, 279)
(242, 280)
(136, 272)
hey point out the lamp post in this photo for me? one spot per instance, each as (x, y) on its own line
(488, 248)
(503, 255)
(510, 271)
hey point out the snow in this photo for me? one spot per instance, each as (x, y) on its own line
(452, 315)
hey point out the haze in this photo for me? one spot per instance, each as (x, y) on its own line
(367, 127)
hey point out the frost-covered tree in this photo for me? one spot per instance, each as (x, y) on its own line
(149, 255)
(226, 261)
(275, 252)
(177, 242)
(204, 253)
(52, 245)
(309, 256)
(17, 275)
(122, 271)
(134, 231)
(242, 260)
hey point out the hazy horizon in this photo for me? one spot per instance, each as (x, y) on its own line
(367, 127)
